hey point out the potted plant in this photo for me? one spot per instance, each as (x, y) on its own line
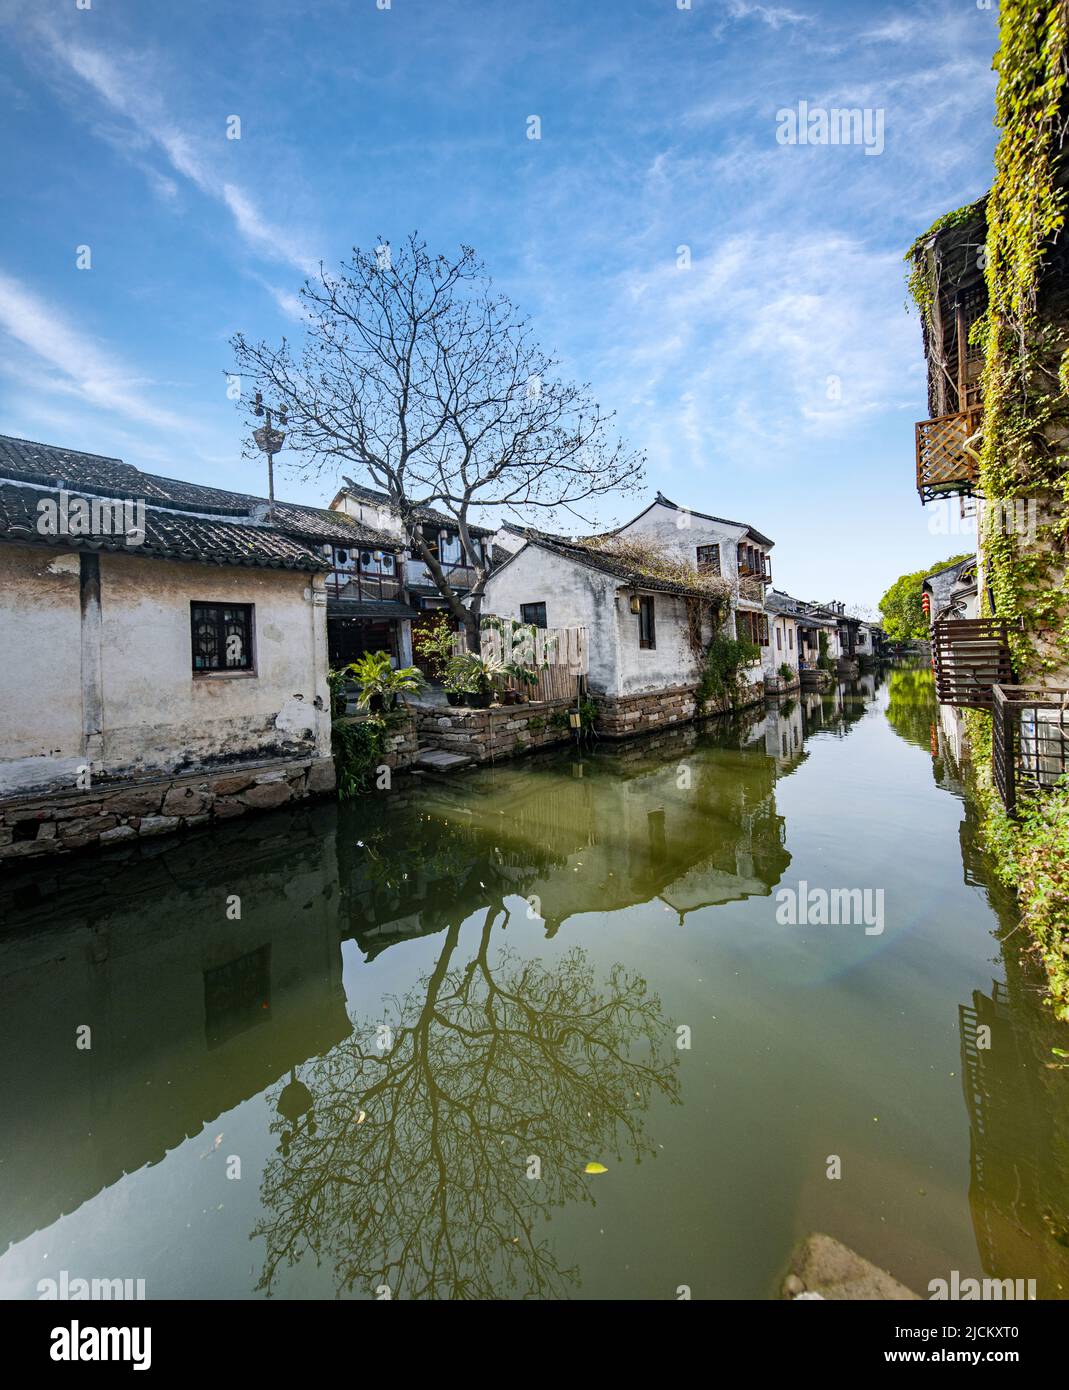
(381, 686)
(456, 680)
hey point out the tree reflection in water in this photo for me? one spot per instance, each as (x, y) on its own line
(408, 1173)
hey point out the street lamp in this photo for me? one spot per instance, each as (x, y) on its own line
(269, 441)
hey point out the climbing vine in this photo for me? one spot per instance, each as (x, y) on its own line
(721, 674)
(1024, 338)
(358, 749)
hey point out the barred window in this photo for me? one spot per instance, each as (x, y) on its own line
(708, 559)
(222, 636)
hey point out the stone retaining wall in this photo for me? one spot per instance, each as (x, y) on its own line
(501, 732)
(620, 716)
(111, 812)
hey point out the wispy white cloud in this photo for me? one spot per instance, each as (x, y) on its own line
(126, 92)
(775, 16)
(73, 363)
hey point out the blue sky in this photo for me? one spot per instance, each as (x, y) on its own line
(658, 132)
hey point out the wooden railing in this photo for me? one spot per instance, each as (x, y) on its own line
(971, 656)
(944, 467)
(363, 588)
(1030, 740)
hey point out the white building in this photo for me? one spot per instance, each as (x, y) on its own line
(646, 634)
(165, 654)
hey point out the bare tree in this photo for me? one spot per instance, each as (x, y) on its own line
(415, 376)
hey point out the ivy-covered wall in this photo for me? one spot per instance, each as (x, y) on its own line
(1024, 336)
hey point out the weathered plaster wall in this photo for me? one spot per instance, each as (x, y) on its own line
(108, 681)
(579, 597)
(670, 663)
(157, 713)
(574, 597)
(40, 670)
(782, 646)
(372, 514)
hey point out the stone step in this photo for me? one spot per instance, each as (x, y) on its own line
(439, 761)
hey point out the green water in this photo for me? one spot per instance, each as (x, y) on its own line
(438, 1006)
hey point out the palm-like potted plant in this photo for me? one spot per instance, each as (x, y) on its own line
(381, 686)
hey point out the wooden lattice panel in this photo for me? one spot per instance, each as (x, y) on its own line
(943, 466)
(972, 656)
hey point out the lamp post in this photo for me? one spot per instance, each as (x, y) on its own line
(269, 441)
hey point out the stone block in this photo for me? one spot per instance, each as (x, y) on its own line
(185, 801)
(267, 794)
(118, 832)
(156, 825)
(136, 802)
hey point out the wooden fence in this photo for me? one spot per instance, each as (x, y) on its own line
(558, 655)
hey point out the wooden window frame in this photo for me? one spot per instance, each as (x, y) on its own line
(755, 627)
(710, 563)
(533, 622)
(199, 607)
(647, 623)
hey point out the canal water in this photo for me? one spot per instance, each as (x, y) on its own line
(555, 1029)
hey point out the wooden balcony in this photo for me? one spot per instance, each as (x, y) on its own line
(1030, 740)
(944, 467)
(971, 656)
(363, 588)
(760, 569)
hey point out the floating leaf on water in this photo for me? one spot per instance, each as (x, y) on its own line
(595, 1168)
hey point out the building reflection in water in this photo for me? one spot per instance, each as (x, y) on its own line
(400, 1159)
(191, 1010)
(1016, 1084)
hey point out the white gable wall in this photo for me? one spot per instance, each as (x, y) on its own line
(574, 595)
(578, 596)
(661, 524)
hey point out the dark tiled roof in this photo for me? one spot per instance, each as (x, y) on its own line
(168, 535)
(365, 608)
(609, 564)
(383, 499)
(943, 583)
(49, 465)
(776, 601)
(183, 520)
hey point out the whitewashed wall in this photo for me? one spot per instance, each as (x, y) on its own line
(575, 596)
(155, 714)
